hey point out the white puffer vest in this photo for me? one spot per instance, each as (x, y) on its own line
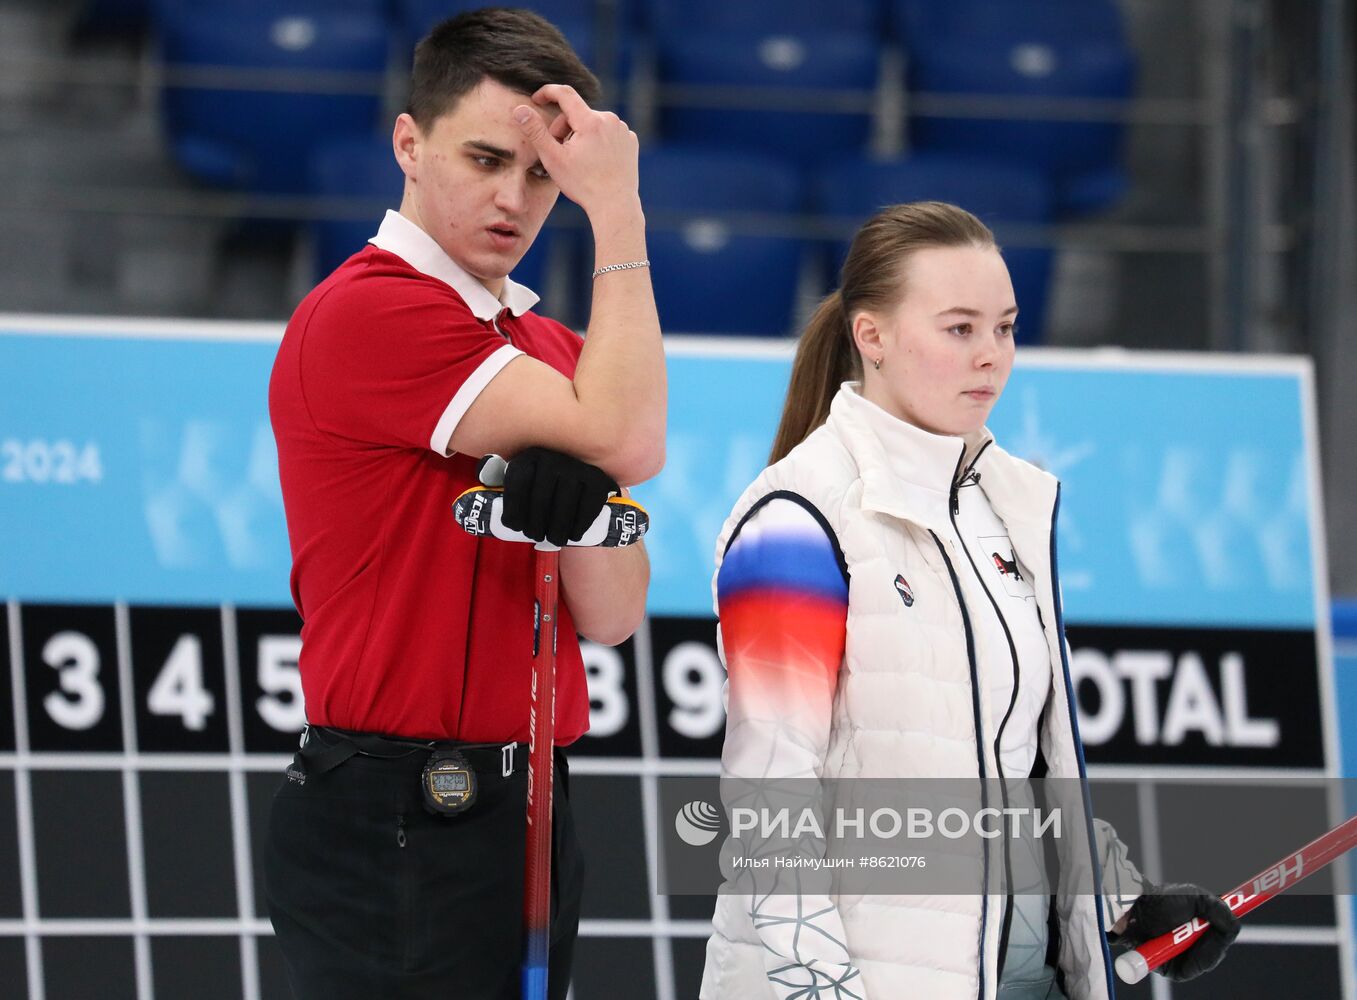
(908, 705)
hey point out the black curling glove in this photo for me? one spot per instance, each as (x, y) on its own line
(1165, 907)
(552, 497)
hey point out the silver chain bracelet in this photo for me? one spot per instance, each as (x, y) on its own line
(621, 267)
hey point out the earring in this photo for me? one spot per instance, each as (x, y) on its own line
(877, 364)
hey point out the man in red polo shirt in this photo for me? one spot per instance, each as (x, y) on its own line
(413, 359)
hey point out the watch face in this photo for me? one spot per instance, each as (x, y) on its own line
(448, 782)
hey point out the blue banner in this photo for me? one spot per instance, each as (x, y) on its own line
(142, 468)
(139, 470)
(1186, 488)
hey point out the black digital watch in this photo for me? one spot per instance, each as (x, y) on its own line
(449, 783)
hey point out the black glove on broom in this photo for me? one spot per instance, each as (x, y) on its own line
(552, 497)
(1163, 907)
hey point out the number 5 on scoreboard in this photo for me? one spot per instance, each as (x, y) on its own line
(281, 705)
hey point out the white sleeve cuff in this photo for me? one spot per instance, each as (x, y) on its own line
(466, 395)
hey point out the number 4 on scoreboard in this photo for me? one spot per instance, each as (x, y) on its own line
(179, 688)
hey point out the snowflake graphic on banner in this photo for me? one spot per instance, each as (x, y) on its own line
(1035, 443)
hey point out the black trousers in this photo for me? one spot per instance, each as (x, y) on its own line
(374, 898)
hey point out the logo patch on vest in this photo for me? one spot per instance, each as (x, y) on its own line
(998, 551)
(1006, 567)
(902, 588)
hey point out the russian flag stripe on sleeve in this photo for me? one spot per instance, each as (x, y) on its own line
(783, 607)
(782, 549)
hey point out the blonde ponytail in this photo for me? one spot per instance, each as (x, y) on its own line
(825, 359)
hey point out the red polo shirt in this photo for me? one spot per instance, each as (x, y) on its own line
(411, 626)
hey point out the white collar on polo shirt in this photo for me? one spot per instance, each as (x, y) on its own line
(421, 251)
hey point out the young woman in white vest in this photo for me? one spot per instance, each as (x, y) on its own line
(889, 608)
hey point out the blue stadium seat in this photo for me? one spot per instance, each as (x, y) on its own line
(1057, 49)
(241, 133)
(787, 15)
(776, 67)
(998, 193)
(364, 169)
(709, 277)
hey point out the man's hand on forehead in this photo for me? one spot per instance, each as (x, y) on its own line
(560, 125)
(598, 163)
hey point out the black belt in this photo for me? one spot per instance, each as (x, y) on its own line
(324, 749)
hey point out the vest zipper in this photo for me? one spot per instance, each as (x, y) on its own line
(1079, 755)
(1006, 925)
(960, 476)
(979, 750)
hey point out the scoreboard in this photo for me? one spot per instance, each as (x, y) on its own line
(151, 648)
(144, 742)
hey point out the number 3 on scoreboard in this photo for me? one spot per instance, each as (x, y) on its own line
(80, 702)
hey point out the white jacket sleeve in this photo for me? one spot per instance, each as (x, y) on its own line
(782, 603)
(1122, 881)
